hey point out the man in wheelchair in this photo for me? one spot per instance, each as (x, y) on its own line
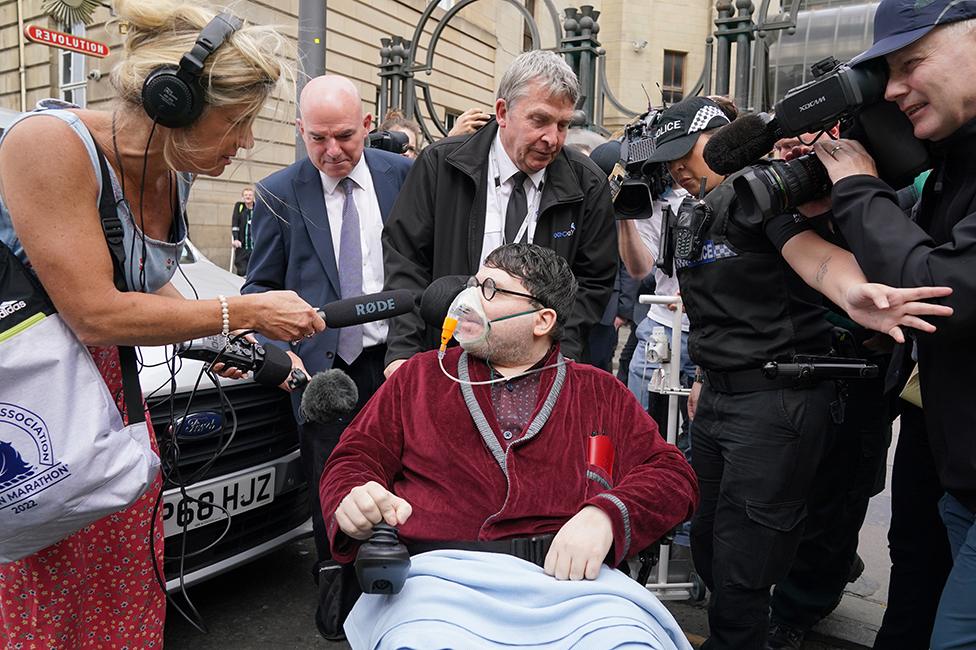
(504, 445)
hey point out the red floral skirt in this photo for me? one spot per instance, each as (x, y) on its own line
(96, 588)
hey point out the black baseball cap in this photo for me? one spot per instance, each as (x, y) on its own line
(680, 125)
(606, 156)
(898, 23)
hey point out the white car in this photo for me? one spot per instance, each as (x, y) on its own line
(257, 478)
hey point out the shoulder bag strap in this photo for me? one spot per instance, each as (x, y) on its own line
(114, 236)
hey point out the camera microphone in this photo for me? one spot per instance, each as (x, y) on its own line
(368, 308)
(330, 395)
(742, 142)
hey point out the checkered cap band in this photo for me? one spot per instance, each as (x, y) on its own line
(705, 115)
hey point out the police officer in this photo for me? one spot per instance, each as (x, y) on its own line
(750, 290)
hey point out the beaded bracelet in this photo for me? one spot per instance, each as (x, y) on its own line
(224, 317)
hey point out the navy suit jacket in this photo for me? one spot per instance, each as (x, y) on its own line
(293, 241)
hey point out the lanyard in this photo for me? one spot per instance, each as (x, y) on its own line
(531, 216)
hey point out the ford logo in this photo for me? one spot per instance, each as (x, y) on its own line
(199, 425)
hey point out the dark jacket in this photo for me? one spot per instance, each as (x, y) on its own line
(438, 222)
(293, 243)
(938, 250)
(240, 225)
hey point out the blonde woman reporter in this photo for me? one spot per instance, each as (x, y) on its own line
(176, 113)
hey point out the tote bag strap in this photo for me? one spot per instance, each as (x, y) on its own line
(114, 236)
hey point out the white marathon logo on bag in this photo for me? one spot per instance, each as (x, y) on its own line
(27, 462)
(10, 306)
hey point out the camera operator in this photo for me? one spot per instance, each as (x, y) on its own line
(930, 50)
(757, 441)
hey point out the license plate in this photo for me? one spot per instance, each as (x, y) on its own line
(235, 495)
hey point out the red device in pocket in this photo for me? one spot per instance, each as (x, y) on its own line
(600, 452)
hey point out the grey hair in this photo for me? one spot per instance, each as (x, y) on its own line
(547, 68)
(960, 28)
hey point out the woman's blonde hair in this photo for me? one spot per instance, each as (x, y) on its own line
(243, 72)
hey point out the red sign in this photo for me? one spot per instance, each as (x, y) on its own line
(65, 41)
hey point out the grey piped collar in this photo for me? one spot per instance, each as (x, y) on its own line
(480, 421)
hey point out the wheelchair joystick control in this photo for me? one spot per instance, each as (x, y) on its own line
(383, 562)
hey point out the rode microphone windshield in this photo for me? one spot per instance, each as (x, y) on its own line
(368, 308)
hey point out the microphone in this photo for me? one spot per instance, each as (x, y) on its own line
(270, 365)
(329, 396)
(436, 301)
(368, 308)
(742, 142)
(438, 297)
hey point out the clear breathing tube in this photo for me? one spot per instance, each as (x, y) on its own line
(487, 382)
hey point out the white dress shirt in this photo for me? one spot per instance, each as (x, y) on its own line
(370, 230)
(501, 169)
(650, 233)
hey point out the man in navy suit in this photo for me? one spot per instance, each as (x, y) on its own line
(305, 237)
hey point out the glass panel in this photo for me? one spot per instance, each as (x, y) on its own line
(838, 28)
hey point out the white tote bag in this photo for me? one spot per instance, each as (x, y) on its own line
(66, 460)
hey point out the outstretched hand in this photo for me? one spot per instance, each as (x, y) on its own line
(886, 309)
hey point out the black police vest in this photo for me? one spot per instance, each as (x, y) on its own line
(745, 304)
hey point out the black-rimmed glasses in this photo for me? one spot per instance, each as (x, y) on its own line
(489, 289)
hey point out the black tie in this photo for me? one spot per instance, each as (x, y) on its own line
(518, 207)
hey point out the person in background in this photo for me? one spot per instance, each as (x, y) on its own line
(240, 230)
(511, 181)
(397, 121)
(469, 121)
(317, 232)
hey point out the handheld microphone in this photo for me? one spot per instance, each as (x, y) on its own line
(742, 142)
(329, 396)
(368, 308)
(271, 366)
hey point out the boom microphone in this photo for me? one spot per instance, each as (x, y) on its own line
(329, 396)
(368, 308)
(438, 297)
(742, 142)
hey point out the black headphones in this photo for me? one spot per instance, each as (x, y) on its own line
(172, 95)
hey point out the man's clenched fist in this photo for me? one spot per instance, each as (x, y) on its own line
(367, 505)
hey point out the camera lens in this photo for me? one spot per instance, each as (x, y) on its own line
(779, 186)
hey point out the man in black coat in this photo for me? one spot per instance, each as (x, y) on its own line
(930, 49)
(511, 181)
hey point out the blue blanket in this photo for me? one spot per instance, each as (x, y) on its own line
(463, 600)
